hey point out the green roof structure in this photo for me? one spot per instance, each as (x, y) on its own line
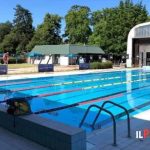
(67, 49)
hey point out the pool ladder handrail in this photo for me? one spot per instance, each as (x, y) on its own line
(113, 117)
(125, 110)
(105, 110)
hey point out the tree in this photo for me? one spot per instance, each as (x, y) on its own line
(5, 29)
(78, 24)
(48, 32)
(23, 27)
(9, 43)
(111, 26)
(21, 32)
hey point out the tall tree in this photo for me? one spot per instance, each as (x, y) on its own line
(111, 26)
(78, 24)
(48, 32)
(23, 26)
(5, 29)
(21, 33)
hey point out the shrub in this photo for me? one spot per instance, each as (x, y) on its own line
(94, 65)
(13, 60)
(101, 65)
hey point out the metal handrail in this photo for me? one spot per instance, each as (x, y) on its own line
(127, 113)
(105, 110)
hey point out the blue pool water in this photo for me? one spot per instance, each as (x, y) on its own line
(133, 87)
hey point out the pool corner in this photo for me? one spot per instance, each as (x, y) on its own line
(52, 134)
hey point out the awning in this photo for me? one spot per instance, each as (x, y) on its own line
(71, 55)
(33, 54)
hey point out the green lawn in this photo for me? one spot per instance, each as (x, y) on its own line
(17, 66)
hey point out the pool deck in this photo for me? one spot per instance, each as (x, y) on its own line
(11, 141)
(51, 74)
(103, 139)
(97, 140)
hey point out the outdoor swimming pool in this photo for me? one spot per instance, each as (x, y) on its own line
(127, 88)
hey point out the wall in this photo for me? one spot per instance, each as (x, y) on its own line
(64, 60)
(139, 31)
(52, 134)
(143, 48)
(44, 61)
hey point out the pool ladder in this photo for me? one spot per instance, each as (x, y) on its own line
(101, 108)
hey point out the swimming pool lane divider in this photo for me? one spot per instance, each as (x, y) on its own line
(15, 83)
(85, 102)
(73, 90)
(107, 97)
(131, 110)
(67, 83)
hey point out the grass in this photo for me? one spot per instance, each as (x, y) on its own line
(17, 66)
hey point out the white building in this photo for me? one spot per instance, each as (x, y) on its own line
(64, 54)
(138, 45)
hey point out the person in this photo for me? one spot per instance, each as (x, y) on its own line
(81, 60)
(6, 58)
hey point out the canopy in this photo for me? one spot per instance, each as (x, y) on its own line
(1, 55)
(71, 55)
(33, 54)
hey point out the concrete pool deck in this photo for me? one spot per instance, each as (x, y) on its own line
(98, 140)
(102, 139)
(52, 74)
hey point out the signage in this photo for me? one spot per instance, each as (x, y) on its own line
(45, 68)
(3, 69)
(84, 66)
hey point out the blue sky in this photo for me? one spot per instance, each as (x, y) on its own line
(39, 8)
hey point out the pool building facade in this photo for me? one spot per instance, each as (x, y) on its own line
(65, 54)
(138, 45)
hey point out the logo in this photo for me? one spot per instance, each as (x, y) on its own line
(143, 134)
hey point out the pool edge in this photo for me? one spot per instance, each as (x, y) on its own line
(49, 133)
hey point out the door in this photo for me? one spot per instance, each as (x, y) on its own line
(148, 59)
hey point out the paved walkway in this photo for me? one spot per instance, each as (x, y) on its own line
(97, 140)
(102, 139)
(48, 74)
(10, 141)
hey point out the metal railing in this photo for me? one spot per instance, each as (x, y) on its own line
(105, 110)
(126, 111)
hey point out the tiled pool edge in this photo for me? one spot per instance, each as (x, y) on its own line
(51, 134)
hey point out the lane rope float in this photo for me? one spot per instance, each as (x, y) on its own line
(68, 83)
(22, 107)
(107, 97)
(68, 91)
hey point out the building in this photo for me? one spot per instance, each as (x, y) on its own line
(64, 54)
(138, 45)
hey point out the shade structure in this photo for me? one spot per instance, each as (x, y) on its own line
(33, 54)
(71, 55)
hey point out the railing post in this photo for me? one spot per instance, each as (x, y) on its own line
(126, 111)
(113, 119)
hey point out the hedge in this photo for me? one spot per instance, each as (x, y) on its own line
(101, 65)
(13, 60)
